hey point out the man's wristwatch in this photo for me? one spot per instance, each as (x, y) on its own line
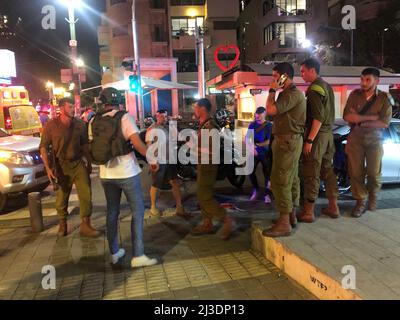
(272, 90)
(310, 141)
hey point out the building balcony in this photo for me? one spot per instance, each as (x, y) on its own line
(105, 58)
(279, 14)
(122, 46)
(103, 36)
(188, 42)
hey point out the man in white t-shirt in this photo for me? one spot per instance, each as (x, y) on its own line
(167, 172)
(122, 174)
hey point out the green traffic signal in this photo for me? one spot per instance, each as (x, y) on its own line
(134, 83)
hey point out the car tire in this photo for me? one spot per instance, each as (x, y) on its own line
(3, 201)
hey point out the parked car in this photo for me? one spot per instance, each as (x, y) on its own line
(391, 157)
(21, 167)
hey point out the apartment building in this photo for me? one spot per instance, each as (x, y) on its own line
(218, 22)
(167, 42)
(279, 29)
(116, 45)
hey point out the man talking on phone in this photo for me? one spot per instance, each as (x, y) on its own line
(289, 112)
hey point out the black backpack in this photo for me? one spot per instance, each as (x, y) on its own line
(108, 141)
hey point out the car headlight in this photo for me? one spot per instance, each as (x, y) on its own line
(15, 157)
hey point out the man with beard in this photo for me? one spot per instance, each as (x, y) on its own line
(368, 111)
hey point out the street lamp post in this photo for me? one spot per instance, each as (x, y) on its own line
(137, 66)
(200, 62)
(71, 5)
(383, 45)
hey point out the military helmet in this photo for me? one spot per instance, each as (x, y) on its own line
(110, 96)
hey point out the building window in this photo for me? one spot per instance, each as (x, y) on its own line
(269, 34)
(186, 61)
(291, 35)
(159, 34)
(291, 7)
(225, 25)
(188, 2)
(185, 25)
(112, 2)
(158, 4)
(120, 31)
(267, 6)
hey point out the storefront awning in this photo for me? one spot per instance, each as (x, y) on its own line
(149, 83)
(255, 74)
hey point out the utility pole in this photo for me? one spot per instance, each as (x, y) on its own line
(74, 56)
(200, 62)
(137, 66)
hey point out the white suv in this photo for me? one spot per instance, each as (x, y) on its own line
(21, 168)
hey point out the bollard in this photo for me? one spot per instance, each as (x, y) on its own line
(35, 211)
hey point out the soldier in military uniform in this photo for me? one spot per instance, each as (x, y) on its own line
(206, 178)
(67, 136)
(289, 112)
(319, 146)
(368, 111)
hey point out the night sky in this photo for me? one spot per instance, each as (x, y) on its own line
(40, 54)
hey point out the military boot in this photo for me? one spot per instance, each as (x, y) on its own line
(359, 209)
(62, 228)
(333, 209)
(206, 227)
(282, 228)
(87, 230)
(307, 214)
(228, 228)
(372, 202)
(293, 218)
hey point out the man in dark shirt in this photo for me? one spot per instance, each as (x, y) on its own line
(67, 139)
(262, 136)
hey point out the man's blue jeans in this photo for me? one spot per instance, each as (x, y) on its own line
(132, 189)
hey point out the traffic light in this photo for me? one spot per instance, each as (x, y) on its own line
(134, 83)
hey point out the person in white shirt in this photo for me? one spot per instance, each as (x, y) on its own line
(167, 172)
(122, 174)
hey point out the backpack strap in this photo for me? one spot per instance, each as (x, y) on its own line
(118, 116)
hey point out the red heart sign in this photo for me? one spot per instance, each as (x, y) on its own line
(225, 49)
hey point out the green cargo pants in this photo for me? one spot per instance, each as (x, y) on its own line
(74, 172)
(285, 182)
(364, 158)
(319, 165)
(206, 178)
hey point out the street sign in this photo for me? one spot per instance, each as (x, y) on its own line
(7, 65)
(66, 75)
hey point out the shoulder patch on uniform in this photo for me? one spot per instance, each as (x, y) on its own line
(318, 89)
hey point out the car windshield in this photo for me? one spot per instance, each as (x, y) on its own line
(3, 134)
